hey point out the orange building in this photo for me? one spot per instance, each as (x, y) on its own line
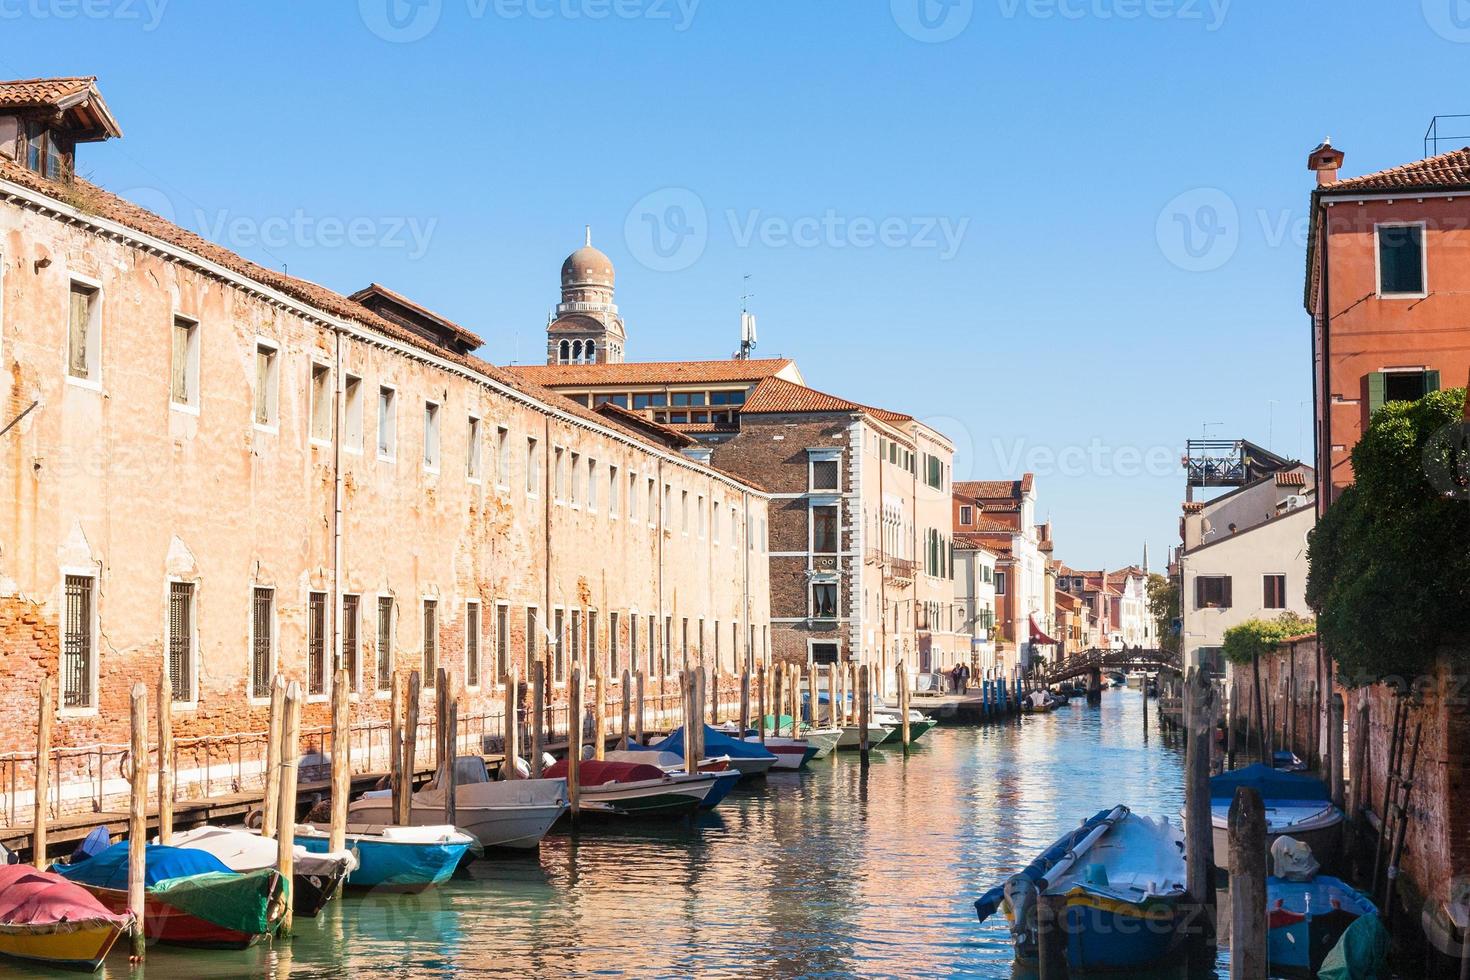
(1388, 291)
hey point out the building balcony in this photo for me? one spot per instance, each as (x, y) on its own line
(894, 569)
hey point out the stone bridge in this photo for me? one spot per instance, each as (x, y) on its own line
(1094, 663)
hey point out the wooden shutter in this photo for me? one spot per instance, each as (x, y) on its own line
(81, 315)
(1431, 381)
(1225, 598)
(1199, 593)
(1375, 392)
(179, 376)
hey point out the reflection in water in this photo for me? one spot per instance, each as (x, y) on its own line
(821, 873)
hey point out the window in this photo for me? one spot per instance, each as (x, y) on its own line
(577, 657)
(559, 661)
(666, 515)
(1399, 386)
(533, 482)
(431, 642)
(431, 437)
(502, 456)
(385, 643)
(531, 627)
(1212, 592)
(934, 472)
(575, 487)
(321, 403)
(591, 636)
(316, 643)
(352, 415)
(84, 346)
(967, 514)
(181, 640)
(262, 641)
(652, 503)
(559, 474)
(614, 661)
(734, 646)
(387, 423)
(1274, 591)
(472, 644)
(714, 522)
(824, 600)
(824, 653)
(472, 451)
(825, 476)
(350, 605)
(699, 509)
(1000, 583)
(684, 511)
(267, 382)
(1401, 258)
(184, 368)
(632, 496)
(613, 487)
(684, 640)
(502, 640)
(652, 643)
(592, 484)
(633, 641)
(77, 663)
(668, 641)
(824, 530)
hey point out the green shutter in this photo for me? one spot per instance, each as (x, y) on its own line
(1375, 392)
(1431, 381)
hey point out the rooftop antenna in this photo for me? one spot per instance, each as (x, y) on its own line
(747, 324)
(589, 236)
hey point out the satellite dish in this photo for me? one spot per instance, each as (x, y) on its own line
(1205, 525)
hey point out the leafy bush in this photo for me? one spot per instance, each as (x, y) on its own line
(1390, 559)
(1257, 637)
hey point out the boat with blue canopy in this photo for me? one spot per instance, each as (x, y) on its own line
(1297, 806)
(749, 758)
(1120, 878)
(1305, 920)
(406, 859)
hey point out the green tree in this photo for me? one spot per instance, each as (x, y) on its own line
(1163, 605)
(1390, 559)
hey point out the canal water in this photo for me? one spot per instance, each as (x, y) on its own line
(814, 874)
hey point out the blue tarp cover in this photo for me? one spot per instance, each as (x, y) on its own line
(1272, 784)
(716, 743)
(987, 904)
(110, 868)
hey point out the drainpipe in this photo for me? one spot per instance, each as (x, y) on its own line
(658, 503)
(1323, 499)
(335, 613)
(749, 632)
(546, 491)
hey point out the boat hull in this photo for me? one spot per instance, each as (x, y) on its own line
(165, 923)
(517, 828)
(1325, 841)
(84, 947)
(394, 865)
(651, 798)
(790, 753)
(1108, 935)
(851, 736)
(311, 892)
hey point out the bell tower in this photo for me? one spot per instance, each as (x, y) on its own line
(586, 327)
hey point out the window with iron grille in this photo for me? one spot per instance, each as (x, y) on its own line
(76, 650)
(614, 666)
(559, 665)
(502, 641)
(385, 643)
(261, 618)
(349, 639)
(431, 642)
(531, 628)
(316, 643)
(181, 640)
(472, 645)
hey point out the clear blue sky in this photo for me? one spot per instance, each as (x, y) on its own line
(826, 148)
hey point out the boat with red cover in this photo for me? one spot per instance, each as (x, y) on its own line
(46, 919)
(632, 789)
(190, 897)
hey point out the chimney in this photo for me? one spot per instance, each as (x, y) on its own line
(1327, 161)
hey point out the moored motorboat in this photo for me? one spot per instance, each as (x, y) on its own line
(1305, 919)
(633, 789)
(750, 759)
(314, 879)
(190, 897)
(1296, 806)
(851, 737)
(919, 723)
(48, 920)
(512, 814)
(790, 753)
(406, 859)
(1120, 878)
(725, 777)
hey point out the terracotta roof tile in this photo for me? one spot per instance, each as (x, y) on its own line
(997, 490)
(466, 337)
(653, 372)
(93, 200)
(776, 396)
(24, 92)
(1193, 506)
(1297, 479)
(1447, 171)
(92, 120)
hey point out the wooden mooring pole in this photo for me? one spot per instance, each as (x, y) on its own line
(903, 702)
(441, 715)
(744, 702)
(409, 759)
(450, 768)
(138, 816)
(1051, 937)
(862, 694)
(627, 712)
(41, 798)
(638, 718)
(687, 688)
(779, 702)
(1247, 886)
(286, 809)
(273, 758)
(510, 741)
(1198, 828)
(165, 758)
(575, 711)
(1335, 710)
(760, 720)
(341, 760)
(538, 716)
(599, 714)
(395, 746)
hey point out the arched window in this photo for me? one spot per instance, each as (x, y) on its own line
(565, 353)
(576, 352)
(591, 357)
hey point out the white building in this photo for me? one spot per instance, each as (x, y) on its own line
(1132, 624)
(974, 593)
(1245, 557)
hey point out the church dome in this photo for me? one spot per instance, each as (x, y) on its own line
(589, 266)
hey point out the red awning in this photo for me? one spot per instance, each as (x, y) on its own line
(1038, 635)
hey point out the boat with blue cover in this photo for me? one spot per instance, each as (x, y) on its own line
(406, 859)
(749, 758)
(1297, 806)
(1120, 878)
(1306, 919)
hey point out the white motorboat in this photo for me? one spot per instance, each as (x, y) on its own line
(513, 814)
